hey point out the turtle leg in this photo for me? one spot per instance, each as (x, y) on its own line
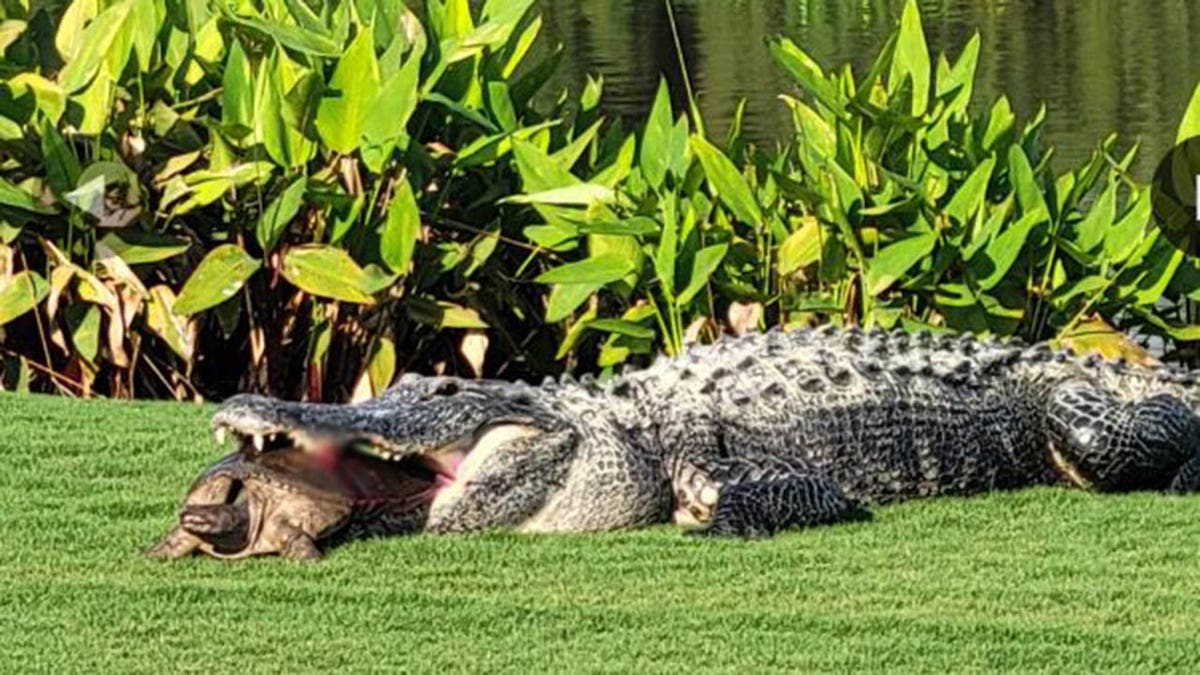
(1103, 442)
(177, 543)
(745, 498)
(299, 546)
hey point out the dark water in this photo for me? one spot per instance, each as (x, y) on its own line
(1099, 65)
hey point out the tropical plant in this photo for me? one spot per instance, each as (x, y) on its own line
(309, 198)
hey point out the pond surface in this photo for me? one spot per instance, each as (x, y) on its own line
(1099, 65)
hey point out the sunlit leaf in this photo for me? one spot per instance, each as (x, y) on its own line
(400, 229)
(727, 182)
(896, 259)
(328, 272)
(348, 95)
(217, 278)
(21, 293)
(582, 194)
(911, 58)
(653, 154)
(280, 213)
(802, 247)
(704, 263)
(599, 269)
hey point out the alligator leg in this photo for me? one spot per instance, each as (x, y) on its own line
(1102, 442)
(747, 499)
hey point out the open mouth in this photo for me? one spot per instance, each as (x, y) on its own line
(360, 470)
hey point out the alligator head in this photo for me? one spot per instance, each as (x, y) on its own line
(455, 454)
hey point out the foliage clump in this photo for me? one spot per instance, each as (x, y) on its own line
(309, 198)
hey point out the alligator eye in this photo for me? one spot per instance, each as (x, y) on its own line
(446, 389)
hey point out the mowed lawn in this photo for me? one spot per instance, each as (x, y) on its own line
(1043, 580)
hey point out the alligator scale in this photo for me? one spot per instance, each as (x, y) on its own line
(744, 437)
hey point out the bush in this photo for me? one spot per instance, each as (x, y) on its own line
(308, 199)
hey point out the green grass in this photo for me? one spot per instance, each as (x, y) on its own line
(1040, 580)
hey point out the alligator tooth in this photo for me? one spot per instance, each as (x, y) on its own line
(258, 441)
(219, 433)
(302, 441)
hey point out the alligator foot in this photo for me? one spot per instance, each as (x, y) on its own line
(762, 508)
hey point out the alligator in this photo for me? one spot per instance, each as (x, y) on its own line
(753, 435)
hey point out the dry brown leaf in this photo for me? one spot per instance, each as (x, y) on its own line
(1096, 336)
(474, 349)
(178, 332)
(695, 329)
(744, 317)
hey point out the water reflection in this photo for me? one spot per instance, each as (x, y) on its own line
(1100, 65)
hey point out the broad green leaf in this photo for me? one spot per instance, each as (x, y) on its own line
(1189, 126)
(162, 320)
(622, 327)
(327, 272)
(501, 106)
(635, 226)
(280, 213)
(569, 154)
(21, 293)
(95, 42)
(668, 244)
(1121, 239)
(583, 194)
(381, 365)
(83, 322)
(143, 25)
(704, 263)
(62, 167)
(1029, 192)
(67, 39)
(993, 262)
(237, 92)
(959, 80)
(292, 37)
(1098, 223)
(805, 71)
(727, 182)
(10, 30)
(971, 194)
(400, 229)
(284, 142)
(442, 314)
(348, 96)
(893, 261)
(653, 154)
(387, 118)
(539, 172)
(911, 59)
(600, 269)
(565, 298)
(15, 197)
(802, 247)
(217, 278)
(812, 130)
(137, 247)
(1000, 124)
(50, 97)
